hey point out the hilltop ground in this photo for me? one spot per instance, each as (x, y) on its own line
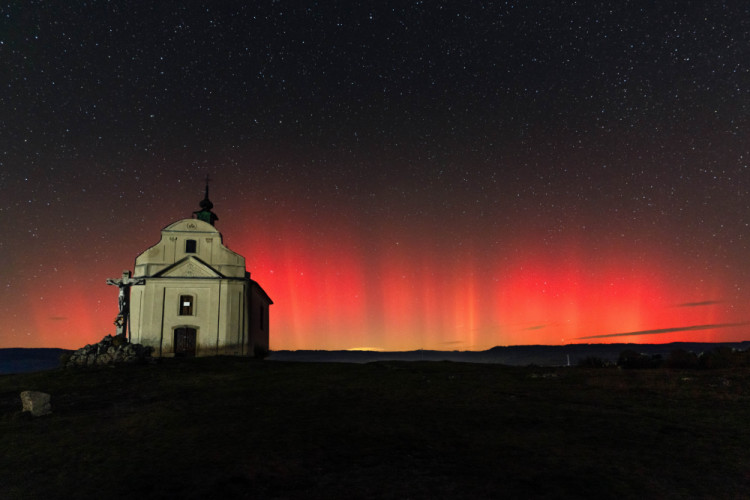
(238, 428)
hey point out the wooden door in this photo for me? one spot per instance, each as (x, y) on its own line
(184, 342)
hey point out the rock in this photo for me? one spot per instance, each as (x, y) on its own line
(103, 359)
(38, 403)
(110, 351)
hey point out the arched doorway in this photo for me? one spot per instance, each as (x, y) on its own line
(184, 342)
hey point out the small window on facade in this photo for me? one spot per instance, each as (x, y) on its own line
(261, 317)
(190, 246)
(186, 305)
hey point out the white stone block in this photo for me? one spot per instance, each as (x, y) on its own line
(38, 403)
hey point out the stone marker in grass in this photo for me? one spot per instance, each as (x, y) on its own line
(38, 403)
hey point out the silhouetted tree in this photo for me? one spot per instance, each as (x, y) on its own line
(720, 357)
(592, 362)
(630, 359)
(682, 359)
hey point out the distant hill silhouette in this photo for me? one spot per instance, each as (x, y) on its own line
(520, 355)
(22, 360)
(25, 360)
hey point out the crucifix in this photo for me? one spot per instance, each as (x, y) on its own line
(123, 299)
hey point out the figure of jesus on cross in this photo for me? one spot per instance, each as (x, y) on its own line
(124, 284)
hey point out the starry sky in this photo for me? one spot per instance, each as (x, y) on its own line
(398, 175)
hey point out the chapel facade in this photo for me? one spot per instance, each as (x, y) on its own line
(193, 296)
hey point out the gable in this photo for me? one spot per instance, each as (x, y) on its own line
(189, 267)
(190, 238)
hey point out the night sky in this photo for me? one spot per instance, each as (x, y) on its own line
(398, 175)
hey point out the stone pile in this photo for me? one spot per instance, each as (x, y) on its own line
(109, 351)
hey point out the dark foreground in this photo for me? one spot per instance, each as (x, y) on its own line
(235, 428)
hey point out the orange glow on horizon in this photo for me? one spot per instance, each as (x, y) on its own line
(403, 300)
(339, 293)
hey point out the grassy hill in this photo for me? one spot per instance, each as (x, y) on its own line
(237, 428)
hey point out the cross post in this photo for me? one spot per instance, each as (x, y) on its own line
(123, 299)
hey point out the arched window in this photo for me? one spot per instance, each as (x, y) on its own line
(190, 246)
(186, 305)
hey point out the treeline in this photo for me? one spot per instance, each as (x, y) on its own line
(720, 357)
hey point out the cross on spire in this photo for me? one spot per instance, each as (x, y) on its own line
(208, 179)
(205, 214)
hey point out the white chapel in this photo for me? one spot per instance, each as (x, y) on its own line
(193, 297)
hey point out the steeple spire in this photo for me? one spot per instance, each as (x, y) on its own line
(205, 214)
